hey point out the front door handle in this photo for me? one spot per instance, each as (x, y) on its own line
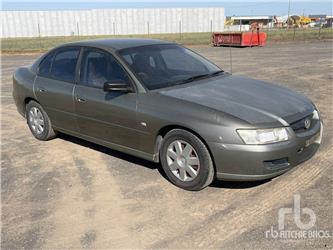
(79, 99)
(41, 90)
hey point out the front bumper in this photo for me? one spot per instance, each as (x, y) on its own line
(258, 162)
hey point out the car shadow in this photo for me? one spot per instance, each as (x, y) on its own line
(108, 151)
(237, 184)
(153, 165)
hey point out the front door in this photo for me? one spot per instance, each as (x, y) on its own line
(109, 116)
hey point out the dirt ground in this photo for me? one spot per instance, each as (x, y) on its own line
(69, 193)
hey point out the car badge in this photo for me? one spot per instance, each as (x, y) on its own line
(307, 123)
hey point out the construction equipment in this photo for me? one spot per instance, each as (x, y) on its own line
(298, 21)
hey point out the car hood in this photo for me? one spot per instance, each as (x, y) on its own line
(253, 101)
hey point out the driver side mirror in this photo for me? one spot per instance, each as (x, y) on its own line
(119, 86)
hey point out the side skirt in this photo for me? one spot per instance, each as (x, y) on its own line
(127, 150)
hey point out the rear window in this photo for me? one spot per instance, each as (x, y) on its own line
(64, 65)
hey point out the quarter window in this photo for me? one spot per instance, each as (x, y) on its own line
(44, 66)
(64, 64)
(99, 67)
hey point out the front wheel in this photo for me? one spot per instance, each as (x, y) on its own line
(186, 160)
(39, 122)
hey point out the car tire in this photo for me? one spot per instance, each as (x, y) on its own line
(174, 162)
(39, 122)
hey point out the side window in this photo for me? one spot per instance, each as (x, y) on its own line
(44, 66)
(64, 64)
(99, 67)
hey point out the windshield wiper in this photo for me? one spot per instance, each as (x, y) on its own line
(193, 78)
(216, 73)
(197, 77)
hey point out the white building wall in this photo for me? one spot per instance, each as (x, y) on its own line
(111, 21)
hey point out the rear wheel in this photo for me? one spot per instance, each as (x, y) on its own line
(186, 160)
(39, 122)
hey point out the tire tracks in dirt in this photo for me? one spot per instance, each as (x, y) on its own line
(244, 213)
(96, 215)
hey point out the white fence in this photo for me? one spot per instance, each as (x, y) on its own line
(111, 21)
(243, 27)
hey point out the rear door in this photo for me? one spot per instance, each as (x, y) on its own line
(54, 87)
(107, 116)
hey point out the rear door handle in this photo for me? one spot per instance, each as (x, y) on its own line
(79, 99)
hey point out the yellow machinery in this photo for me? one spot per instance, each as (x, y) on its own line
(298, 21)
(229, 22)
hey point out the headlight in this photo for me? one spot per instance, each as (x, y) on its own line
(263, 136)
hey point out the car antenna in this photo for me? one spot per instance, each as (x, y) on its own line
(230, 53)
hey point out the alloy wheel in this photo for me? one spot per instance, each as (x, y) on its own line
(36, 120)
(183, 160)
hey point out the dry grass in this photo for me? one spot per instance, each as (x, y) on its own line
(45, 43)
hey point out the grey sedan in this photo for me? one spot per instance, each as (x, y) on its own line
(165, 103)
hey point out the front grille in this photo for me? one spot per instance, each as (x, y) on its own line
(299, 126)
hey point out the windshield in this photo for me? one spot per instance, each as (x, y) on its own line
(160, 66)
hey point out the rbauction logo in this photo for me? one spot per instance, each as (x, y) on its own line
(304, 218)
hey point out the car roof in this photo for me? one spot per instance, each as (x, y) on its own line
(116, 43)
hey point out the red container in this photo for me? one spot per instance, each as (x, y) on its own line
(239, 39)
